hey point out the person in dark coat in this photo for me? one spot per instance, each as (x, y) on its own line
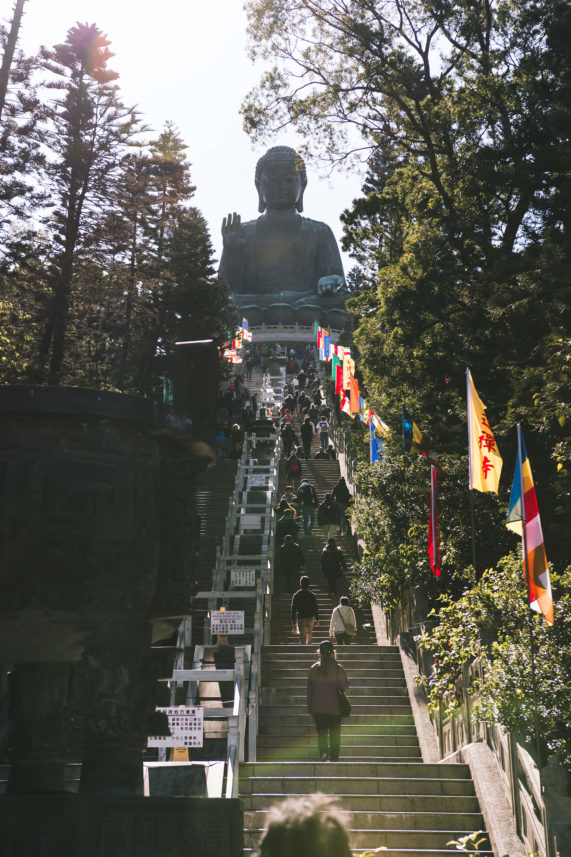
(342, 497)
(291, 561)
(333, 566)
(286, 526)
(304, 611)
(307, 496)
(293, 469)
(307, 431)
(288, 437)
(328, 515)
(325, 677)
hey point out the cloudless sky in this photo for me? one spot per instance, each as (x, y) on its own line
(186, 61)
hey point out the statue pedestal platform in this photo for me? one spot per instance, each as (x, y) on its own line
(107, 826)
(287, 333)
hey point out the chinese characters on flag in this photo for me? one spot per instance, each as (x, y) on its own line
(483, 454)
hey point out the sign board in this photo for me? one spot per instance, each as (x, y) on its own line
(250, 522)
(227, 622)
(244, 576)
(186, 726)
(257, 480)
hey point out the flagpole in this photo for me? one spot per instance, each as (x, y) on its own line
(470, 489)
(403, 448)
(530, 612)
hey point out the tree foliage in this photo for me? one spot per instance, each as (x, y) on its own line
(108, 264)
(462, 244)
(491, 622)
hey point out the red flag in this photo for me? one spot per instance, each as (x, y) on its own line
(338, 379)
(433, 528)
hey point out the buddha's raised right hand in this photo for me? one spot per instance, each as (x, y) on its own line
(233, 237)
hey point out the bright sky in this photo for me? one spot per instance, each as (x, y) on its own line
(185, 61)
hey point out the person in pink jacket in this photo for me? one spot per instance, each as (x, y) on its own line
(325, 677)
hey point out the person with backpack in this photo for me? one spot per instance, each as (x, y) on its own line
(308, 498)
(343, 498)
(291, 561)
(328, 515)
(307, 431)
(293, 468)
(323, 432)
(333, 566)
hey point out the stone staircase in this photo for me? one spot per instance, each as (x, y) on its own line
(396, 802)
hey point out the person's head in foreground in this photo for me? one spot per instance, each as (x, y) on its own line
(309, 826)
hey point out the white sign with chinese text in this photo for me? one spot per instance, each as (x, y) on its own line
(242, 577)
(186, 726)
(227, 622)
(257, 480)
(250, 522)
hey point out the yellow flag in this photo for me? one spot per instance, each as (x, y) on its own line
(483, 454)
(348, 370)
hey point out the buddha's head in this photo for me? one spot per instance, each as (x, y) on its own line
(280, 179)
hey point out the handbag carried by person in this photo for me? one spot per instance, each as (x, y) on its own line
(344, 704)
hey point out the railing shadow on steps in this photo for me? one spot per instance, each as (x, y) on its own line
(251, 513)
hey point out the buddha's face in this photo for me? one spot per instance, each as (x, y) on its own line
(280, 186)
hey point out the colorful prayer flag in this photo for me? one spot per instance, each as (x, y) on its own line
(485, 461)
(326, 347)
(377, 446)
(348, 370)
(523, 519)
(354, 395)
(433, 526)
(245, 323)
(335, 362)
(412, 437)
(379, 424)
(339, 378)
(344, 404)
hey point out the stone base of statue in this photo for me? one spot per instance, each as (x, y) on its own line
(291, 308)
(76, 826)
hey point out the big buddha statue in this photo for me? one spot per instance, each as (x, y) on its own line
(282, 267)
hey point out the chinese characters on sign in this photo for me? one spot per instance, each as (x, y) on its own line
(227, 622)
(257, 481)
(242, 577)
(186, 727)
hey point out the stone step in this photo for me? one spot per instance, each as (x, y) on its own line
(351, 753)
(343, 769)
(283, 672)
(289, 723)
(357, 786)
(400, 736)
(415, 841)
(359, 706)
(362, 819)
(282, 684)
(400, 852)
(365, 724)
(380, 652)
(379, 803)
(293, 692)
